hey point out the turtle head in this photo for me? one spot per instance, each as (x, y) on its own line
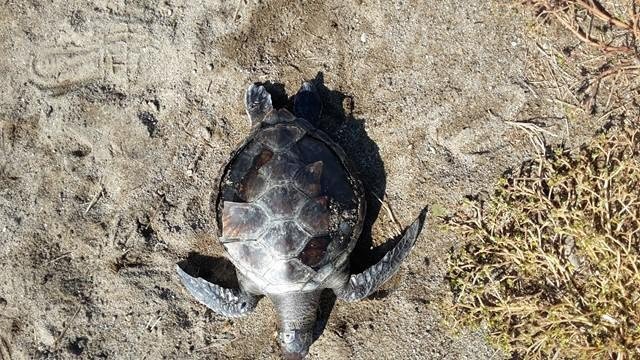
(297, 312)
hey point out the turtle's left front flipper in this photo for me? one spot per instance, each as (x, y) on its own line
(224, 301)
(365, 283)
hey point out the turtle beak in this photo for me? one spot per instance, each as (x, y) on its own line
(293, 355)
(295, 344)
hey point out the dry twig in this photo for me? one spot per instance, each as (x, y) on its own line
(394, 220)
(66, 327)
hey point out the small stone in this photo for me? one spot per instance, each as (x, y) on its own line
(78, 346)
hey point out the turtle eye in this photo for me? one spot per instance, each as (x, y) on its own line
(288, 337)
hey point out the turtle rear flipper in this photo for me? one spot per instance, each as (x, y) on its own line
(226, 302)
(307, 104)
(258, 103)
(365, 283)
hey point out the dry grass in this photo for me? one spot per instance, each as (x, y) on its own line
(611, 31)
(550, 263)
(594, 24)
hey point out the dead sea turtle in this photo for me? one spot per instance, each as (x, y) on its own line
(290, 210)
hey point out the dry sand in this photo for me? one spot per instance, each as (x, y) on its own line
(115, 117)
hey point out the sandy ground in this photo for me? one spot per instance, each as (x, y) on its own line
(115, 117)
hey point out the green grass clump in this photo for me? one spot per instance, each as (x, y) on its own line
(549, 264)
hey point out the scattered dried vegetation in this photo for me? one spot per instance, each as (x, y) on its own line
(550, 264)
(579, 17)
(609, 63)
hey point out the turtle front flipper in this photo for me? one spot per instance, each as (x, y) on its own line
(365, 283)
(258, 103)
(226, 302)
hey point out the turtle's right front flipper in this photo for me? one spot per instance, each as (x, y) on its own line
(365, 283)
(226, 302)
